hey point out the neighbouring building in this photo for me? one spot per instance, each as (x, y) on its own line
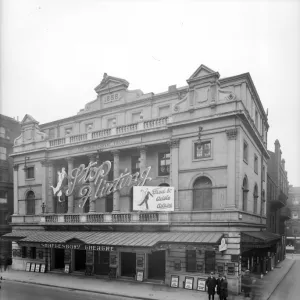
(277, 191)
(293, 223)
(204, 146)
(9, 130)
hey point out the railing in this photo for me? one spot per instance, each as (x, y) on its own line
(95, 218)
(78, 138)
(156, 123)
(72, 218)
(57, 142)
(51, 219)
(121, 218)
(101, 133)
(148, 217)
(127, 128)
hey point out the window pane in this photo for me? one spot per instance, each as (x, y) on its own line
(30, 172)
(202, 150)
(163, 164)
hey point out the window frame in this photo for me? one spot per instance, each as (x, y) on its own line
(159, 159)
(30, 203)
(204, 141)
(245, 153)
(134, 170)
(27, 171)
(263, 173)
(255, 162)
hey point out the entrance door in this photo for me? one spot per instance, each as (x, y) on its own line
(101, 259)
(59, 255)
(128, 264)
(157, 265)
(80, 257)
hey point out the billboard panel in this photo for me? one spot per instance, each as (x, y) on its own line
(153, 198)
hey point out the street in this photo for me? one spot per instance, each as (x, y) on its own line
(11, 290)
(289, 288)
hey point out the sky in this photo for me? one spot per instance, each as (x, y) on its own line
(55, 52)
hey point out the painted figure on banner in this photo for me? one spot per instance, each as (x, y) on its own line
(145, 200)
(62, 184)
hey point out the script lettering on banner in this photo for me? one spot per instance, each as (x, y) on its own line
(153, 198)
(79, 247)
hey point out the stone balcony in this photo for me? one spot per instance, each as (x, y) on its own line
(143, 125)
(143, 218)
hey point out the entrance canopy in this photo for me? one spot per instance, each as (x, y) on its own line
(259, 239)
(127, 239)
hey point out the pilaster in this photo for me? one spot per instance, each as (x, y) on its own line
(70, 161)
(116, 195)
(174, 169)
(16, 184)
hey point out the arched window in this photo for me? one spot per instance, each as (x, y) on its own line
(202, 197)
(263, 203)
(255, 196)
(245, 193)
(30, 203)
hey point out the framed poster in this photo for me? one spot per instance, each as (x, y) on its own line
(188, 283)
(140, 275)
(230, 269)
(27, 267)
(201, 286)
(32, 268)
(37, 268)
(67, 268)
(43, 268)
(174, 281)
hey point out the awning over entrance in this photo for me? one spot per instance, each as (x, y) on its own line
(127, 239)
(258, 239)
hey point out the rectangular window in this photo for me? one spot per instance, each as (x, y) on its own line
(135, 117)
(191, 261)
(245, 153)
(210, 261)
(52, 133)
(256, 118)
(202, 150)
(33, 253)
(263, 173)
(3, 153)
(30, 173)
(135, 164)
(24, 252)
(163, 164)
(255, 164)
(111, 122)
(110, 176)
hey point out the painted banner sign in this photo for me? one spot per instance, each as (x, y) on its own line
(153, 198)
(78, 247)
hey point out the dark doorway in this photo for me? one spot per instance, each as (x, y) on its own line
(101, 259)
(80, 257)
(109, 203)
(59, 255)
(157, 265)
(128, 264)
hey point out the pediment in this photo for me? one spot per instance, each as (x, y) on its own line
(28, 119)
(109, 82)
(203, 71)
(74, 241)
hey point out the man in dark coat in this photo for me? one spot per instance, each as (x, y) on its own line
(224, 289)
(219, 280)
(211, 283)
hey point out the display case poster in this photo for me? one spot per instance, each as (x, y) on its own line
(37, 267)
(43, 268)
(67, 268)
(230, 269)
(140, 276)
(174, 281)
(188, 283)
(27, 267)
(201, 284)
(32, 268)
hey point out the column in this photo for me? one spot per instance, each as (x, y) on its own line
(92, 209)
(116, 195)
(70, 161)
(143, 158)
(174, 168)
(45, 165)
(50, 199)
(16, 184)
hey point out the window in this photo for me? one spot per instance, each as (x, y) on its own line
(202, 150)
(111, 122)
(135, 117)
(24, 252)
(263, 203)
(68, 130)
(33, 252)
(191, 261)
(30, 203)
(245, 153)
(4, 175)
(2, 132)
(255, 164)
(256, 118)
(245, 193)
(86, 207)
(3, 153)
(202, 196)
(135, 164)
(3, 197)
(52, 133)
(29, 173)
(263, 173)
(110, 176)
(255, 196)
(210, 261)
(163, 111)
(163, 164)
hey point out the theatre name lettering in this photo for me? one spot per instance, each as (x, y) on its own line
(78, 247)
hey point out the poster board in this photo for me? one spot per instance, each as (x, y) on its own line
(37, 268)
(230, 269)
(174, 281)
(32, 268)
(140, 275)
(188, 283)
(67, 268)
(43, 268)
(201, 286)
(28, 267)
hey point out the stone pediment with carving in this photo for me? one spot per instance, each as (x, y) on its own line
(111, 84)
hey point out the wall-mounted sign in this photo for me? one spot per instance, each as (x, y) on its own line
(140, 275)
(201, 284)
(223, 245)
(153, 198)
(188, 283)
(174, 281)
(27, 267)
(32, 268)
(67, 268)
(78, 247)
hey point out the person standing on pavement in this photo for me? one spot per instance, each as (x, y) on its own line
(247, 284)
(219, 280)
(224, 288)
(211, 283)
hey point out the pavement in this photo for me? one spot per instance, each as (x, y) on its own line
(139, 290)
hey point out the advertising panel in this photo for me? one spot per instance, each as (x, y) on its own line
(153, 198)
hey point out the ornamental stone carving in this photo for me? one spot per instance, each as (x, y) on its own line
(232, 133)
(174, 143)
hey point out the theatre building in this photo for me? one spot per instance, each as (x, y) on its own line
(154, 187)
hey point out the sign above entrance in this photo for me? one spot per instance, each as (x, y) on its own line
(223, 245)
(78, 247)
(153, 198)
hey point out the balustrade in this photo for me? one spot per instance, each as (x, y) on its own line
(72, 218)
(127, 128)
(51, 219)
(121, 218)
(78, 138)
(57, 142)
(148, 217)
(95, 218)
(155, 123)
(101, 133)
